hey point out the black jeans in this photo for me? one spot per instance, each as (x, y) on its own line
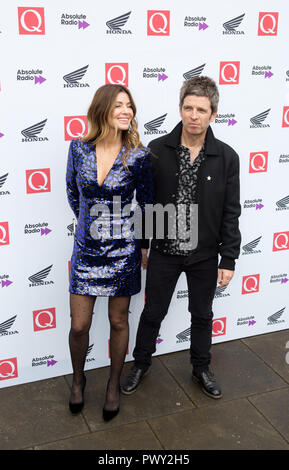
(162, 275)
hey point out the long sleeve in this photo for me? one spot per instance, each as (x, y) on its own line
(71, 185)
(230, 234)
(144, 190)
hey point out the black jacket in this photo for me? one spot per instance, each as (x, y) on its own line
(217, 197)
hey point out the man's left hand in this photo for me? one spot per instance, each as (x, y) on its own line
(224, 277)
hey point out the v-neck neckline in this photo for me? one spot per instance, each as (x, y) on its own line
(116, 158)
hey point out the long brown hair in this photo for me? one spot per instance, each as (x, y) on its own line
(98, 114)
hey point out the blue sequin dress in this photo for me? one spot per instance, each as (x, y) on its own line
(105, 265)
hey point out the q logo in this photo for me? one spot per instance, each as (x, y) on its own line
(158, 23)
(38, 181)
(4, 233)
(44, 319)
(219, 327)
(285, 120)
(75, 127)
(268, 24)
(250, 284)
(116, 74)
(31, 20)
(281, 241)
(229, 73)
(258, 162)
(8, 369)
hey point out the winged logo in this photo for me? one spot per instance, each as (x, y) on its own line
(3, 179)
(283, 202)
(38, 277)
(155, 123)
(250, 246)
(275, 317)
(118, 22)
(32, 131)
(74, 77)
(220, 290)
(257, 120)
(184, 335)
(231, 25)
(6, 325)
(89, 349)
(194, 72)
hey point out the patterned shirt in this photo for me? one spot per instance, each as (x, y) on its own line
(186, 195)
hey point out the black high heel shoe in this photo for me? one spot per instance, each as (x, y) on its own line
(77, 407)
(110, 414)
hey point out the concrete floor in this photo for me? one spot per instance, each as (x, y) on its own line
(169, 411)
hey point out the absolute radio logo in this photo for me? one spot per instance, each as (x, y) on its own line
(35, 75)
(282, 278)
(44, 319)
(40, 228)
(31, 20)
(198, 22)
(285, 118)
(44, 361)
(38, 181)
(231, 26)
(258, 162)
(158, 23)
(229, 73)
(264, 71)
(249, 320)
(250, 284)
(37, 279)
(73, 79)
(3, 179)
(5, 281)
(4, 234)
(253, 204)
(8, 368)
(219, 326)
(249, 248)
(116, 74)
(268, 23)
(30, 134)
(281, 241)
(75, 127)
(77, 19)
(155, 72)
(152, 127)
(226, 119)
(115, 26)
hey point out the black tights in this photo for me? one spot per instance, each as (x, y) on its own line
(81, 315)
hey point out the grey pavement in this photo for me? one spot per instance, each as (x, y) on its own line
(168, 411)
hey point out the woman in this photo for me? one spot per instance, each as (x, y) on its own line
(109, 162)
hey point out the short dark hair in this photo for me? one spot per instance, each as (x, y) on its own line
(201, 86)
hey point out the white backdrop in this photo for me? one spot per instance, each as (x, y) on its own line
(43, 105)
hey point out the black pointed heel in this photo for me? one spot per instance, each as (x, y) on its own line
(110, 414)
(77, 407)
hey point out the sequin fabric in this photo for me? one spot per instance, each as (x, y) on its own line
(186, 195)
(106, 265)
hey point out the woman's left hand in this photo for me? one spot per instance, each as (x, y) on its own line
(144, 258)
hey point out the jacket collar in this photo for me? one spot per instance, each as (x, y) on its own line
(173, 139)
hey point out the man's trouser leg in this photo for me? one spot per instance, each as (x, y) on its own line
(162, 276)
(202, 280)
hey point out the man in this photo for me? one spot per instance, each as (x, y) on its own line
(192, 167)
